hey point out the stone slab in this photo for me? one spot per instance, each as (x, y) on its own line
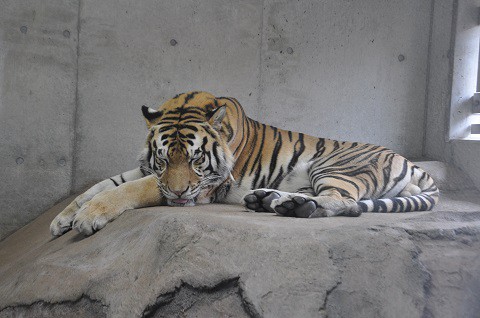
(166, 261)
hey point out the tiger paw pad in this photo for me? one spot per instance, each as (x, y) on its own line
(261, 200)
(299, 207)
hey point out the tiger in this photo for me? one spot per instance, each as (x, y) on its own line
(203, 149)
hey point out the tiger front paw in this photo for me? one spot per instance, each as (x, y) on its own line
(94, 215)
(62, 223)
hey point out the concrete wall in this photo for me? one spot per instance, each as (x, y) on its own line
(335, 59)
(359, 67)
(38, 41)
(347, 70)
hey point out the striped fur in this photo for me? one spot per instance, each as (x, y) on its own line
(355, 176)
(201, 148)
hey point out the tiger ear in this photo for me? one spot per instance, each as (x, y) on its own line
(150, 115)
(215, 117)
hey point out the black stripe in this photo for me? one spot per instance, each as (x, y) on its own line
(189, 97)
(185, 126)
(432, 202)
(263, 183)
(424, 175)
(254, 141)
(320, 148)
(114, 182)
(229, 131)
(432, 188)
(394, 205)
(400, 203)
(177, 96)
(182, 111)
(258, 160)
(215, 151)
(423, 204)
(296, 153)
(387, 171)
(408, 208)
(210, 131)
(415, 203)
(379, 206)
(121, 177)
(278, 179)
(338, 177)
(402, 174)
(274, 157)
(275, 131)
(363, 206)
(241, 145)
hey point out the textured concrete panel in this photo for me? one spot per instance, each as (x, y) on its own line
(440, 81)
(349, 70)
(134, 53)
(37, 101)
(466, 156)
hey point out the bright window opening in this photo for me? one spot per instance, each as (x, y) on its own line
(465, 102)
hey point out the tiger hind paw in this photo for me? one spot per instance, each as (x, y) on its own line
(303, 206)
(298, 206)
(260, 200)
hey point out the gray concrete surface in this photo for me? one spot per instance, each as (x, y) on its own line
(38, 41)
(366, 71)
(439, 82)
(219, 261)
(353, 65)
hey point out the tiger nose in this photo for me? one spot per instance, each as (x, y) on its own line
(179, 193)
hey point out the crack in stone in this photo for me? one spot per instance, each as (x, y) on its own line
(428, 282)
(323, 308)
(84, 304)
(247, 304)
(192, 292)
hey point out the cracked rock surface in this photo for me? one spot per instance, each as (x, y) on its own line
(219, 261)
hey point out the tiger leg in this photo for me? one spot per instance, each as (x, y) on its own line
(333, 194)
(63, 221)
(332, 202)
(410, 190)
(109, 204)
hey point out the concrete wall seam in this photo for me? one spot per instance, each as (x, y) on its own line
(429, 54)
(75, 114)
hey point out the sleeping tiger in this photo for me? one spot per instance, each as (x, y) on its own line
(202, 149)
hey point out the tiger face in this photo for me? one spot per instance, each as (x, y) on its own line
(186, 152)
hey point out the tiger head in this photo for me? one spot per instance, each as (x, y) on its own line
(186, 148)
